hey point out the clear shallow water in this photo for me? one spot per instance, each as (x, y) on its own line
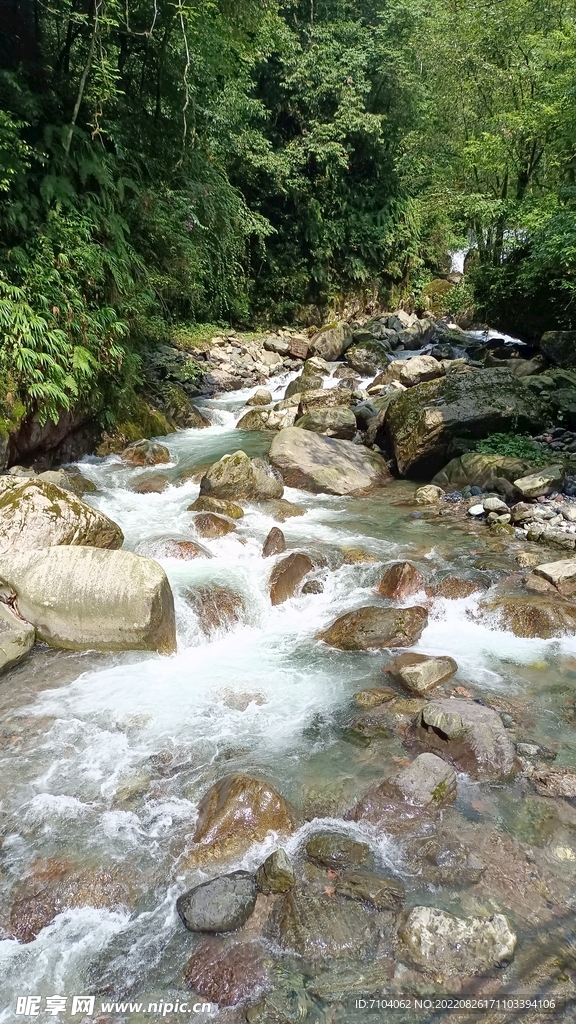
(104, 757)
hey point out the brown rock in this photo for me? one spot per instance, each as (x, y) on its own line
(401, 580)
(376, 627)
(210, 525)
(555, 782)
(420, 673)
(218, 608)
(274, 544)
(184, 549)
(357, 556)
(227, 972)
(280, 509)
(96, 887)
(234, 814)
(298, 349)
(288, 575)
(534, 616)
(454, 588)
(424, 787)
(373, 697)
(218, 505)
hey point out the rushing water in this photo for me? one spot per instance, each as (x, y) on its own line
(105, 757)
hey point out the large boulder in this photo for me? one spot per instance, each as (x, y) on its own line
(81, 598)
(16, 638)
(424, 419)
(375, 627)
(541, 482)
(474, 469)
(36, 514)
(325, 465)
(324, 398)
(410, 372)
(220, 905)
(331, 342)
(559, 347)
(368, 356)
(469, 735)
(336, 422)
(237, 477)
(235, 813)
(262, 419)
(145, 453)
(443, 944)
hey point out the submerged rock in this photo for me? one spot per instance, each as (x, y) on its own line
(276, 874)
(334, 850)
(471, 736)
(428, 495)
(81, 598)
(95, 887)
(238, 476)
(227, 972)
(424, 419)
(401, 580)
(280, 509)
(145, 453)
(376, 627)
(454, 588)
(16, 638)
(35, 514)
(235, 813)
(319, 927)
(444, 944)
(218, 608)
(287, 576)
(322, 464)
(420, 673)
(368, 887)
(221, 905)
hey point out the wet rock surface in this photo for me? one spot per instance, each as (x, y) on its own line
(317, 927)
(401, 580)
(287, 576)
(444, 944)
(335, 851)
(220, 905)
(468, 734)
(420, 673)
(376, 627)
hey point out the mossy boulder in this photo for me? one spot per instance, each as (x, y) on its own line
(474, 469)
(37, 514)
(368, 357)
(332, 341)
(422, 422)
(239, 478)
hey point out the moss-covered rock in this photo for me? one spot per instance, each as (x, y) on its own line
(475, 469)
(37, 514)
(424, 419)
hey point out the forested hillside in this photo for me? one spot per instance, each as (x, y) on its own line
(166, 163)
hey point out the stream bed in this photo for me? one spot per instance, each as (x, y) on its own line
(104, 758)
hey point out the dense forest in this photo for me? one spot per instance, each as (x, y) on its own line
(167, 163)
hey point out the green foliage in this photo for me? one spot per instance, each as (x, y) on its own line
(516, 446)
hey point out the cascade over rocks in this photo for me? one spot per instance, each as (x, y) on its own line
(425, 418)
(81, 598)
(242, 478)
(236, 812)
(36, 514)
(375, 627)
(326, 465)
(210, 525)
(533, 615)
(469, 735)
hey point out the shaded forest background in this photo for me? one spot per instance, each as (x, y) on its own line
(167, 163)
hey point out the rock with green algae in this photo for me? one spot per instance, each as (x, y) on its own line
(86, 598)
(276, 874)
(476, 469)
(38, 514)
(239, 478)
(534, 615)
(375, 627)
(424, 419)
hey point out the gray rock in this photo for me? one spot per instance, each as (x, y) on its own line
(559, 347)
(541, 482)
(86, 598)
(468, 734)
(331, 343)
(276, 874)
(16, 638)
(493, 504)
(420, 673)
(237, 477)
(410, 372)
(221, 905)
(448, 945)
(336, 422)
(260, 397)
(326, 465)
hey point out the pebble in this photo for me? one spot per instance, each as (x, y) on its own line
(476, 510)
